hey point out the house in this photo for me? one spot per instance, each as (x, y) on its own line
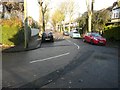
(115, 17)
(115, 14)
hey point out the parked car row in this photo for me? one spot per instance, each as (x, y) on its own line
(72, 34)
(93, 38)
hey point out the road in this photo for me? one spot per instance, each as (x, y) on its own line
(69, 63)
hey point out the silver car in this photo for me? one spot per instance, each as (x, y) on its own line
(75, 34)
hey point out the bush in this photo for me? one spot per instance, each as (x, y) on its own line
(12, 35)
(112, 32)
(12, 31)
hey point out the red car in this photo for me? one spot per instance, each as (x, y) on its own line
(94, 38)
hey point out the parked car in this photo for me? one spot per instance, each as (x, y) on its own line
(66, 33)
(47, 36)
(94, 38)
(74, 34)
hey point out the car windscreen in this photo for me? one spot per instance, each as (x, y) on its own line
(95, 35)
(75, 32)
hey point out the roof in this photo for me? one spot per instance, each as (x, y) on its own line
(116, 8)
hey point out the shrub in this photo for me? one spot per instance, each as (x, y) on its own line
(112, 32)
(12, 31)
(12, 35)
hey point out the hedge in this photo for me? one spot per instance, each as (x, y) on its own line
(112, 32)
(12, 35)
(12, 31)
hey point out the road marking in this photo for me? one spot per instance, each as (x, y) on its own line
(50, 58)
(78, 47)
(69, 41)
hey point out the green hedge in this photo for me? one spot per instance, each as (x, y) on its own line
(112, 32)
(12, 31)
(12, 35)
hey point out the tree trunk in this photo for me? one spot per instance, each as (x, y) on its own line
(43, 22)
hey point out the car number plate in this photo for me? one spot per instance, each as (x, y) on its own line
(47, 39)
(101, 41)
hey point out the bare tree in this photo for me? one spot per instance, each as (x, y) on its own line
(70, 11)
(43, 10)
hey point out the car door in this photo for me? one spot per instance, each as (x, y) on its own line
(87, 37)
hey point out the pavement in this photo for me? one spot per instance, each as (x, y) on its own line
(34, 43)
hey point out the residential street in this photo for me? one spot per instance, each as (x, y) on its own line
(68, 63)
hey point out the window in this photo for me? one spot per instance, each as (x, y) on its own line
(117, 15)
(114, 15)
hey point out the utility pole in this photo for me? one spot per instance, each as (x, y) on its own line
(90, 12)
(25, 25)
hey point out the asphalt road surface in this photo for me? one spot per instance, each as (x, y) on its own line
(69, 63)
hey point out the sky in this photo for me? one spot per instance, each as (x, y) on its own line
(33, 9)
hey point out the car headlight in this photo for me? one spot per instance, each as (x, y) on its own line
(95, 38)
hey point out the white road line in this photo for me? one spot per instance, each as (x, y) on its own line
(69, 41)
(78, 47)
(50, 58)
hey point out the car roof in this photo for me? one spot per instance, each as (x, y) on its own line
(92, 33)
(74, 31)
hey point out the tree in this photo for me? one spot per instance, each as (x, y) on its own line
(59, 14)
(82, 20)
(119, 3)
(70, 11)
(57, 17)
(43, 10)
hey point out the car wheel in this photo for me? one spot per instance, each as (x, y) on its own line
(52, 40)
(84, 40)
(43, 39)
(91, 41)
